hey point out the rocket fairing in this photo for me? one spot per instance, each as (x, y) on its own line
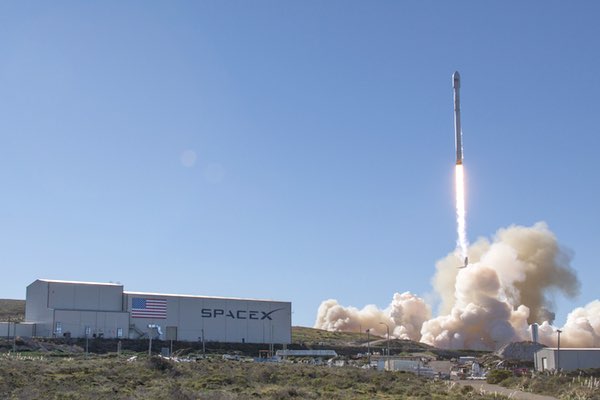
(457, 128)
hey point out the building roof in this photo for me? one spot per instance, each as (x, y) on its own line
(158, 294)
(81, 283)
(199, 297)
(572, 348)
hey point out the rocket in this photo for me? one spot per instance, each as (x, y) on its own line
(457, 128)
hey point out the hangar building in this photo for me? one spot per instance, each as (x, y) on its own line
(58, 308)
(567, 359)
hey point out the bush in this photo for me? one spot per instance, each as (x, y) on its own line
(466, 389)
(498, 375)
(161, 364)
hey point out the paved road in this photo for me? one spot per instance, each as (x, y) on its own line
(511, 393)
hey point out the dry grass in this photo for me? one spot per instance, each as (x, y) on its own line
(111, 377)
(574, 385)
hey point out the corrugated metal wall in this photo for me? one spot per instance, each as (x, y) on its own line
(59, 307)
(223, 320)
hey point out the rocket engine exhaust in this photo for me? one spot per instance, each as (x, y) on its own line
(509, 285)
(461, 212)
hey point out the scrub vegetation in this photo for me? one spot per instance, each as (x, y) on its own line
(58, 369)
(113, 377)
(580, 385)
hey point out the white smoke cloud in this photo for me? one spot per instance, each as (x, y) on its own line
(491, 302)
(405, 316)
(582, 328)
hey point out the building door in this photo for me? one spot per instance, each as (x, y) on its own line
(544, 364)
(58, 328)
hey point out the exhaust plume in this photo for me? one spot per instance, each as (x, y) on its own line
(493, 301)
(461, 212)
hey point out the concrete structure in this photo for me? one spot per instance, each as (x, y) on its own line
(77, 309)
(306, 353)
(535, 337)
(549, 359)
(407, 365)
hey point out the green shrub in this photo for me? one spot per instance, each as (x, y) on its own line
(498, 375)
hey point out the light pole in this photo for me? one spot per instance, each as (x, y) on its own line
(203, 346)
(369, 346)
(87, 335)
(156, 327)
(388, 337)
(558, 331)
(14, 336)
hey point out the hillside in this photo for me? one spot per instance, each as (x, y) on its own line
(312, 336)
(12, 310)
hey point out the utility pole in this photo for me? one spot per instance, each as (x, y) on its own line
(369, 347)
(14, 336)
(558, 351)
(151, 329)
(388, 337)
(87, 335)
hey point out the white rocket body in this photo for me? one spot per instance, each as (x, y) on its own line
(457, 128)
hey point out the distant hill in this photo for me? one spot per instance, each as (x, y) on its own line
(13, 310)
(353, 342)
(312, 336)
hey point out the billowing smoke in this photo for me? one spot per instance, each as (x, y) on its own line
(405, 316)
(582, 328)
(493, 301)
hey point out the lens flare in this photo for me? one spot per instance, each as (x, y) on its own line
(461, 213)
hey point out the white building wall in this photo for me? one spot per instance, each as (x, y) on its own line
(85, 296)
(570, 359)
(36, 308)
(46, 297)
(219, 319)
(100, 323)
(105, 308)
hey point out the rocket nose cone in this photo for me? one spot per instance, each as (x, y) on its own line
(456, 79)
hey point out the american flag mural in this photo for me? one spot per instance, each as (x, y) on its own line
(142, 307)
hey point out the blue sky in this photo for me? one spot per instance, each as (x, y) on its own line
(290, 150)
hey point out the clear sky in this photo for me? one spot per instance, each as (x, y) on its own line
(295, 151)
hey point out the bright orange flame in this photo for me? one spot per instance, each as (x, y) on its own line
(461, 212)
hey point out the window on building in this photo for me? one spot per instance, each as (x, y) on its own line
(119, 332)
(544, 363)
(58, 328)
